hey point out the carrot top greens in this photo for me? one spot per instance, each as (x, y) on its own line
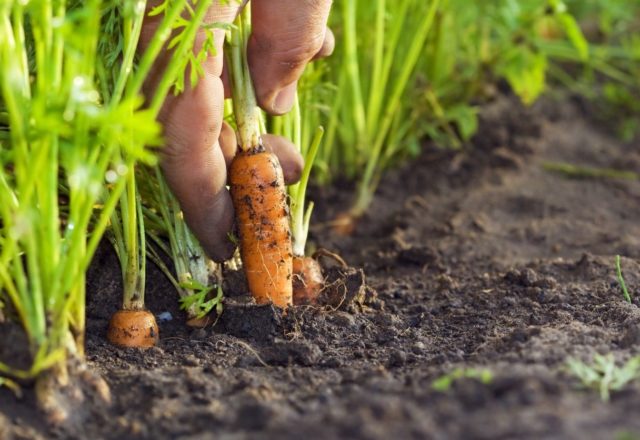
(411, 70)
(72, 128)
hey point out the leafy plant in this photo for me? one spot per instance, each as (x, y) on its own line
(72, 128)
(604, 375)
(128, 222)
(418, 72)
(370, 117)
(609, 78)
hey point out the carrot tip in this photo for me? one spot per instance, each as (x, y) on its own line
(133, 328)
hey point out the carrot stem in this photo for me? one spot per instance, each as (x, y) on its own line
(300, 216)
(245, 107)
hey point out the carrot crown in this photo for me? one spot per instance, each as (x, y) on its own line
(245, 106)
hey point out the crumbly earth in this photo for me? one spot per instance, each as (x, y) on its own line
(480, 259)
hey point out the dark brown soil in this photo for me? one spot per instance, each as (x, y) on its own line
(479, 258)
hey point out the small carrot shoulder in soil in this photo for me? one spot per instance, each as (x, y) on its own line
(133, 328)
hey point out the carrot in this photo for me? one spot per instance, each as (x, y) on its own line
(257, 186)
(262, 216)
(308, 280)
(133, 328)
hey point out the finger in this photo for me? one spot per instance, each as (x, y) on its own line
(194, 165)
(328, 45)
(192, 160)
(290, 158)
(228, 143)
(286, 35)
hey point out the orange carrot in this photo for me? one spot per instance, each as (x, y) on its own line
(307, 280)
(259, 198)
(133, 328)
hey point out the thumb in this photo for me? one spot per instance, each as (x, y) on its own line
(286, 35)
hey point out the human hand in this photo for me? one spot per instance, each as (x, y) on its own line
(286, 35)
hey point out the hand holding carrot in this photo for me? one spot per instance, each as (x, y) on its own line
(287, 34)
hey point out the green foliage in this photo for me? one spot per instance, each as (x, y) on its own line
(444, 383)
(610, 77)
(60, 132)
(525, 70)
(180, 31)
(409, 69)
(181, 20)
(370, 119)
(604, 375)
(199, 301)
(72, 128)
(623, 285)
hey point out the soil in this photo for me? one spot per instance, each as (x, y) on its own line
(479, 258)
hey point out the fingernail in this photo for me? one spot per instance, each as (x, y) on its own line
(283, 102)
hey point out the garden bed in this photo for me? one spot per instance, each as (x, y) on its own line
(480, 258)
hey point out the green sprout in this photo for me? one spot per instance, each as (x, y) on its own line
(623, 285)
(128, 238)
(583, 172)
(444, 382)
(603, 375)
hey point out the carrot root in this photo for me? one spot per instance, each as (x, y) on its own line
(262, 215)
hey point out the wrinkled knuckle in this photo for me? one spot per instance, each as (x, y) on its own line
(296, 52)
(173, 148)
(181, 145)
(295, 56)
(172, 152)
